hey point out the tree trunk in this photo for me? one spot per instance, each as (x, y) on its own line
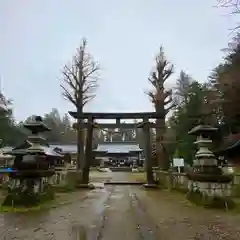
(158, 143)
(165, 158)
(161, 154)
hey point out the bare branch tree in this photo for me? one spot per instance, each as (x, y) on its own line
(234, 5)
(80, 81)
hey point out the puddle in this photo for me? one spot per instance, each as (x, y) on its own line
(25, 220)
(118, 196)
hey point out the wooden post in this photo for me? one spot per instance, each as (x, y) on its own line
(111, 136)
(170, 179)
(138, 159)
(148, 153)
(88, 152)
(118, 121)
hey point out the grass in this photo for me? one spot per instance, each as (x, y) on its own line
(62, 198)
(237, 170)
(96, 176)
(63, 188)
(236, 210)
(44, 206)
(236, 191)
(137, 176)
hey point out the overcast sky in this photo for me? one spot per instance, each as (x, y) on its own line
(39, 36)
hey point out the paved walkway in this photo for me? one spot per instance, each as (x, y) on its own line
(122, 212)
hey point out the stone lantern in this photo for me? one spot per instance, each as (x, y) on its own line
(33, 163)
(206, 180)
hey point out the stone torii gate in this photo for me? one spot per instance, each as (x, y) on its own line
(145, 125)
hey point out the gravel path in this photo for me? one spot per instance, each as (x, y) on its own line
(122, 212)
(173, 217)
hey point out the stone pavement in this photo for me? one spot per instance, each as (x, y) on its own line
(122, 212)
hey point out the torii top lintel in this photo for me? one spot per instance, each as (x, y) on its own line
(114, 115)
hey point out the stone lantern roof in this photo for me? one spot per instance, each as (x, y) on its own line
(36, 125)
(35, 143)
(202, 129)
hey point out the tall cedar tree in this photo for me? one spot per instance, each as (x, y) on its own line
(225, 80)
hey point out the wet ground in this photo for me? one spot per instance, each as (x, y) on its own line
(122, 212)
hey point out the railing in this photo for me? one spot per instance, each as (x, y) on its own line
(57, 179)
(179, 181)
(172, 180)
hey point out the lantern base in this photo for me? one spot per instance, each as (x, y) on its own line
(28, 193)
(207, 201)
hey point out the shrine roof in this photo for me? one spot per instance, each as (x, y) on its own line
(65, 148)
(118, 147)
(49, 151)
(26, 145)
(109, 147)
(229, 145)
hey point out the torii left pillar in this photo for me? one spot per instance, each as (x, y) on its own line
(148, 155)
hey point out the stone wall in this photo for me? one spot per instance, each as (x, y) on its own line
(59, 178)
(172, 180)
(179, 181)
(210, 189)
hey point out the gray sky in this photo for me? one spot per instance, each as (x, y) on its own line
(40, 36)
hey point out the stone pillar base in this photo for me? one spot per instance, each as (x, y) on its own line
(211, 194)
(28, 193)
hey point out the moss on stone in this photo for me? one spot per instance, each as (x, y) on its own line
(18, 198)
(236, 191)
(210, 202)
(202, 177)
(64, 188)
